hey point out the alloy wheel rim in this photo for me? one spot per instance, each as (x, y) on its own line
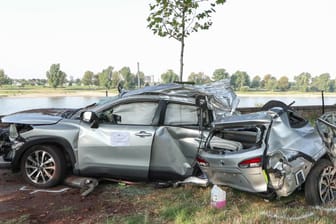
(327, 184)
(40, 167)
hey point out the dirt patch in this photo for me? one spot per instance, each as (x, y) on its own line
(27, 206)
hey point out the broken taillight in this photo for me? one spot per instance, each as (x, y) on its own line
(250, 163)
(201, 161)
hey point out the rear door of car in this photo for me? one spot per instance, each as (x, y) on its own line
(121, 145)
(176, 142)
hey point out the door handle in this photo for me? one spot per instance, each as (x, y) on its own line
(143, 134)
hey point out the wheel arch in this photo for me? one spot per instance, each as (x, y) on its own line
(59, 142)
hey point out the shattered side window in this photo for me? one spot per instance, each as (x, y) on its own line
(181, 114)
(133, 113)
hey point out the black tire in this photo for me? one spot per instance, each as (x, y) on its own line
(43, 166)
(321, 177)
(274, 103)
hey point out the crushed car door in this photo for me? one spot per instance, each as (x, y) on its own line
(176, 142)
(121, 146)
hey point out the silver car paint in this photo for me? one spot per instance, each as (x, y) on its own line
(175, 150)
(129, 158)
(290, 152)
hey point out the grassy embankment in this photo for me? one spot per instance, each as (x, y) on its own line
(191, 204)
(10, 91)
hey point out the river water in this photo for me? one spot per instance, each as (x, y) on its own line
(14, 104)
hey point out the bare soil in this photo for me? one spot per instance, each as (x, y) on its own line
(27, 206)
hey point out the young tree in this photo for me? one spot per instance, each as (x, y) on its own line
(178, 19)
(55, 76)
(220, 74)
(169, 76)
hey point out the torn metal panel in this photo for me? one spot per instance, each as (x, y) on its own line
(86, 184)
(261, 151)
(173, 152)
(326, 126)
(221, 97)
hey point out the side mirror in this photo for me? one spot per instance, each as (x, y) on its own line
(91, 118)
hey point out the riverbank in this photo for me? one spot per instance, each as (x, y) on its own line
(98, 92)
(59, 92)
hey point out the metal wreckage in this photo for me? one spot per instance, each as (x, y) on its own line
(176, 133)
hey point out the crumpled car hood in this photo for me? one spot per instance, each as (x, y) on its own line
(37, 116)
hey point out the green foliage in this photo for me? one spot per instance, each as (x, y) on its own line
(87, 79)
(178, 19)
(55, 76)
(303, 81)
(105, 77)
(4, 79)
(169, 76)
(240, 79)
(127, 77)
(283, 83)
(220, 74)
(199, 78)
(269, 82)
(115, 79)
(322, 82)
(256, 82)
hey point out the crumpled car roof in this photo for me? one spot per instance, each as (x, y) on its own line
(220, 90)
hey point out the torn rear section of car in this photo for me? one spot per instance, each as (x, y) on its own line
(272, 152)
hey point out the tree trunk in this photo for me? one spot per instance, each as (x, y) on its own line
(181, 59)
(182, 46)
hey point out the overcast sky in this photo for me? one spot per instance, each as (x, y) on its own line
(278, 37)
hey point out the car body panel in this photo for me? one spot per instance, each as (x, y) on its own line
(286, 154)
(155, 148)
(326, 126)
(174, 152)
(118, 151)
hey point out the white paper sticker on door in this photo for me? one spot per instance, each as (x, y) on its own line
(120, 138)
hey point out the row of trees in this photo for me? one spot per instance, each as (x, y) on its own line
(240, 80)
(109, 78)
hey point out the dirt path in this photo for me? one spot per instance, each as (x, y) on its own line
(66, 206)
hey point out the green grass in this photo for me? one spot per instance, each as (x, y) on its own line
(19, 220)
(191, 204)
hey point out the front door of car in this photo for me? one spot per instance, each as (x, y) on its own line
(119, 147)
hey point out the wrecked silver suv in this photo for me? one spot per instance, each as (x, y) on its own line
(147, 134)
(273, 152)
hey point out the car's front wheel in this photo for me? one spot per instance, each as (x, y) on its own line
(320, 186)
(43, 166)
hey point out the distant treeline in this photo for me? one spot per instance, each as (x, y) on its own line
(109, 78)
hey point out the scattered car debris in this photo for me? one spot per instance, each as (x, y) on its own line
(86, 184)
(33, 191)
(204, 182)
